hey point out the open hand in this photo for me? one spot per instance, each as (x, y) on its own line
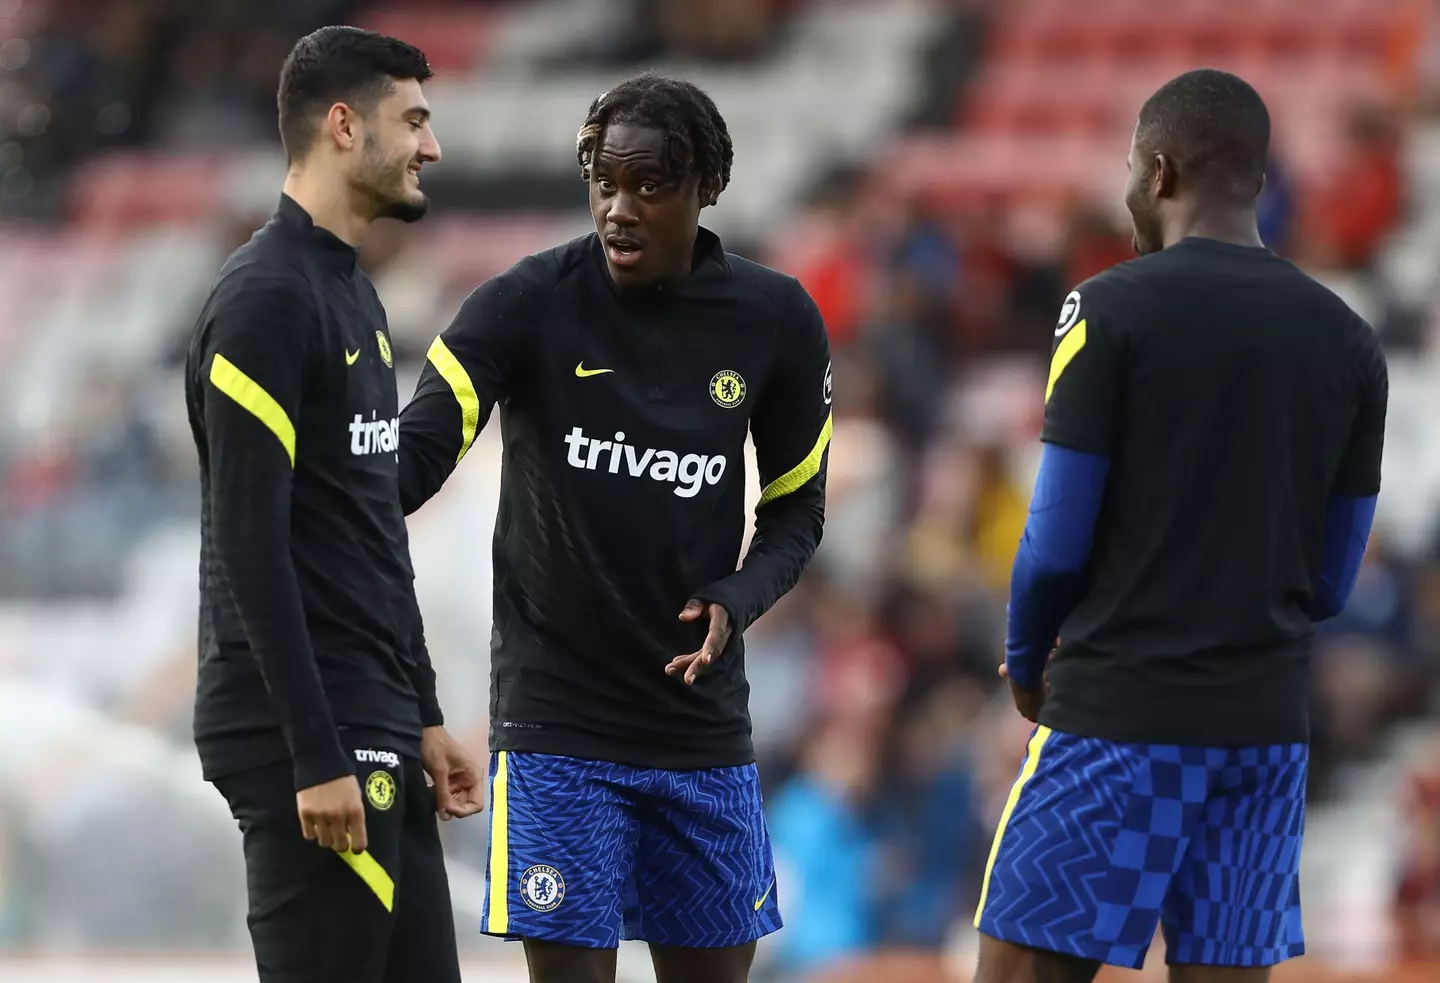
(716, 639)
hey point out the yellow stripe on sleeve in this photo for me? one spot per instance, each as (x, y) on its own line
(498, 916)
(1069, 348)
(373, 875)
(1032, 761)
(454, 373)
(795, 478)
(225, 377)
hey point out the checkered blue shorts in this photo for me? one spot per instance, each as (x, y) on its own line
(1100, 842)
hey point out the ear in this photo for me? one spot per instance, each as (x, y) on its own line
(340, 126)
(1165, 178)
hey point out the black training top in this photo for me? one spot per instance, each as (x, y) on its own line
(308, 618)
(623, 418)
(1234, 396)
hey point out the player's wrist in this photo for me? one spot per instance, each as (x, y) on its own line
(319, 761)
(1024, 669)
(716, 596)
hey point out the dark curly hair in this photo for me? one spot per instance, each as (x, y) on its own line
(1213, 125)
(339, 64)
(697, 139)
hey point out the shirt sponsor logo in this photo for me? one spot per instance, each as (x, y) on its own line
(689, 473)
(367, 755)
(374, 436)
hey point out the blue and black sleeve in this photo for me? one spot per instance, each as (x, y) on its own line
(1051, 566)
(1350, 511)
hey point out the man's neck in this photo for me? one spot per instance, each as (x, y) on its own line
(1235, 226)
(329, 204)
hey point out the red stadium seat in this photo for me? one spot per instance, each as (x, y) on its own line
(454, 39)
(126, 190)
(1050, 114)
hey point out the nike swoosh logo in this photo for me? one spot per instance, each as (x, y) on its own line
(350, 357)
(581, 372)
(765, 895)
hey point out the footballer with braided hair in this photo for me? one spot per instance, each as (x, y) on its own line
(696, 138)
(628, 367)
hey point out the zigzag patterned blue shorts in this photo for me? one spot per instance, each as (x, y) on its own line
(1100, 842)
(591, 852)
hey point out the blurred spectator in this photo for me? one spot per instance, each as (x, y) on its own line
(1275, 210)
(866, 487)
(834, 268)
(1094, 244)
(926, 816)
(1361, 203)
(718, 31)
(826, 859)
(1417, 896)
(987, 281)
(856, 673)
(714, 30)
(1379, 607)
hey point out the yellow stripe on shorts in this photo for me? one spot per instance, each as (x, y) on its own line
(373, 875)
(1032, 761)
(498, 916)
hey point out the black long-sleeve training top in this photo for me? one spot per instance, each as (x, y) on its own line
(308, 620)
(623, 419)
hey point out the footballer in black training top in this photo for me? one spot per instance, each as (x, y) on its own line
(1214, 422)
(628, 367)
(315, 712)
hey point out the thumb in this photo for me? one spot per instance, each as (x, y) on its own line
(1004, 671)
(693, 610)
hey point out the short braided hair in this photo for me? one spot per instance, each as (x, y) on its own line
(696, 138)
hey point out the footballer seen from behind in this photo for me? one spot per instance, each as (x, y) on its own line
(1214, 421)
(628, 367)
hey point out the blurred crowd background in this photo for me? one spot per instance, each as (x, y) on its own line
(938, 173)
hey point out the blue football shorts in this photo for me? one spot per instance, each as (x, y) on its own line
(587, 853)
(1099, 842)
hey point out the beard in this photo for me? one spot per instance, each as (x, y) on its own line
(384, 183)
(406, 209)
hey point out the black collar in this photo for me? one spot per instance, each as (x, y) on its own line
(333, 252)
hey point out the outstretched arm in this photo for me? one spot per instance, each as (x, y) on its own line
(474, 364)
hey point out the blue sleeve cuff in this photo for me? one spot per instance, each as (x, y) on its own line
(1049, 576)
(1348, 521)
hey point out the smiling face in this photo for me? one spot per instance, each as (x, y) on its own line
(397, 142)
(646, 217)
